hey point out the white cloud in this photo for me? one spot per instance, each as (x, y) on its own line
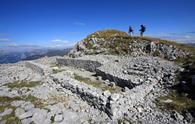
(59, 43)
(186, 37)
(12, 45)
(56, 40)
(79, 23)
(5, 39)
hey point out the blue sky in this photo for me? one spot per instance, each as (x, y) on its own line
(60, 23)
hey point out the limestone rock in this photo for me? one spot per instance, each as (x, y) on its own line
(25, 115)
(58, 118)
(19, 111)
(6, 112)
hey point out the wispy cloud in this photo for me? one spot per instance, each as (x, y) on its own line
(12, 45)
(4, 37)
(23, 46)
(5, 40)
(185, 37)
(59, 43)
(191, 32)
(79, 23)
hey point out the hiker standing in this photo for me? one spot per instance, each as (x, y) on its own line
(142, 30)
(130, 31)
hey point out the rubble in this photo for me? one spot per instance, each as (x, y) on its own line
(142, 79)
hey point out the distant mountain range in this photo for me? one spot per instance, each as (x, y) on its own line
(191, 44)
(49, 53)
(15, 56)
(11, 56)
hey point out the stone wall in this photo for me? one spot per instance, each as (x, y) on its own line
(119, 81)
(95, 97)
(85, 64)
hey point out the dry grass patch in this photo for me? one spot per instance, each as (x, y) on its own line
(96, 84)
(11, 119)
(5, 104)
(175, 101)
(21, 84)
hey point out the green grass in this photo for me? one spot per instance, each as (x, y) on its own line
(36, 101)
(156, 53)
(5, 101)
(186, 61)
(179, 102)
(30, 98)
(55, 71)
(42, 103)
(52, 119)
(54, 65)
(11, 119)
(5, 106)
(182, 100)
(96, 84)
(127, 120)
(107, 35)
(21, 84)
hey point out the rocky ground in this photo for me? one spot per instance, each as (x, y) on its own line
(89, 89)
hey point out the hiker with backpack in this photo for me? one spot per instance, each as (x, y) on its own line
(130, 31)
(142, 30)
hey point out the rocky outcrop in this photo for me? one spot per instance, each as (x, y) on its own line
(156, 48)
(123, 44)
(16, 72)
(38, 68)
(35, 67)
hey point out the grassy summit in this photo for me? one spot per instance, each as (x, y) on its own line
(118, 41)
(107, 34)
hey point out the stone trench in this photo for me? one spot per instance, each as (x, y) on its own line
(114, 104)
(93, 66)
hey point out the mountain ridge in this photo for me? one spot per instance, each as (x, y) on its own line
(13, 57)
